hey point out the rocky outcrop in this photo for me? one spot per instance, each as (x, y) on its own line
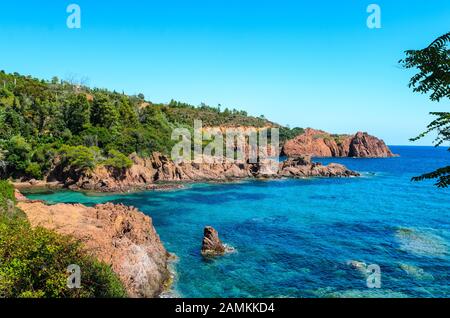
(160, 172)
(212, 245)
(302, 166)
(363, 145)
(318, 143)
(118, 235)
(156, 172)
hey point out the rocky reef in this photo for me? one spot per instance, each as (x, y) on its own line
(318, 143)
(118, 235)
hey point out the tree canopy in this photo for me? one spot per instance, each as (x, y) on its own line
(433, 77)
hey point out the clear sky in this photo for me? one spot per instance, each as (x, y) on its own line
(301, 63)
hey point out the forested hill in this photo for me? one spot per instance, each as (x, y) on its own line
(84, 126)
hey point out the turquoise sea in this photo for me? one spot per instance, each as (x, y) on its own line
(294, 238)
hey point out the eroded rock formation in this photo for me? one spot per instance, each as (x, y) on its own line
(212, 245)
(318, 143)
(118, 235)
(159, 171)
(302, 166)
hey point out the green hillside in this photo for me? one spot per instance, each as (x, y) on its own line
(84, 126)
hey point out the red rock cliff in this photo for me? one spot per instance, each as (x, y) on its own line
(318, 143)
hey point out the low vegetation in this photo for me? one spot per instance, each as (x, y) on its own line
(34, 261)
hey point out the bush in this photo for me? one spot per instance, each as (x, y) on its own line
(34, 170)
(34, 261)
(6, 194)
(18, 153)
(117, 160)
(80, 157)
(34, 264)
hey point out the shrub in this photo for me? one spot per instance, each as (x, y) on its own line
(80, 157)
(34, 263)
(18, 153)
(34, 170)
(117, 160)
(6, 193)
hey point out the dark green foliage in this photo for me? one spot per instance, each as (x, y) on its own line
(76, 113)
(128, 115)
(433, 65)
(287, 133)
(95, 136)
(6, 194)
(80, 157)
(135, 140)
(34, 170)
(104, 113)
(117, 160)
(19, 152)
(41, 120)
(34, 264)
(182, 113)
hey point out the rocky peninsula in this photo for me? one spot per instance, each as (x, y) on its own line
(318, 143)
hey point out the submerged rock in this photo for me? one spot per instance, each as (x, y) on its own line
(416, 272)
(212, 245)
(355, 293)
(359, 266)
(421, 242)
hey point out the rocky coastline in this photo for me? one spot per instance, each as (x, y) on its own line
(159, 172)
(121, 236)
(125, 238)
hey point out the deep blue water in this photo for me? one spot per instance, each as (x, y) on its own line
(293, 238)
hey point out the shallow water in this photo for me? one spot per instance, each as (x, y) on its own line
(293, 238)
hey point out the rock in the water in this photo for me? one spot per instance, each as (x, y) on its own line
(416, 272)
(212, 245)
(360, 266)
(302, 167)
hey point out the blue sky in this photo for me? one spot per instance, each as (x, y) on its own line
(301, 63)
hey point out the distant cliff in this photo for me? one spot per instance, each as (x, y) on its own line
(318, 143)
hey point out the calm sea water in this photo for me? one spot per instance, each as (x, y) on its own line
(293, 238)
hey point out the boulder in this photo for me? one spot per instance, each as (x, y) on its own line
(212, 245)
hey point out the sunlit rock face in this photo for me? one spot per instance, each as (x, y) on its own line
(318, 143)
